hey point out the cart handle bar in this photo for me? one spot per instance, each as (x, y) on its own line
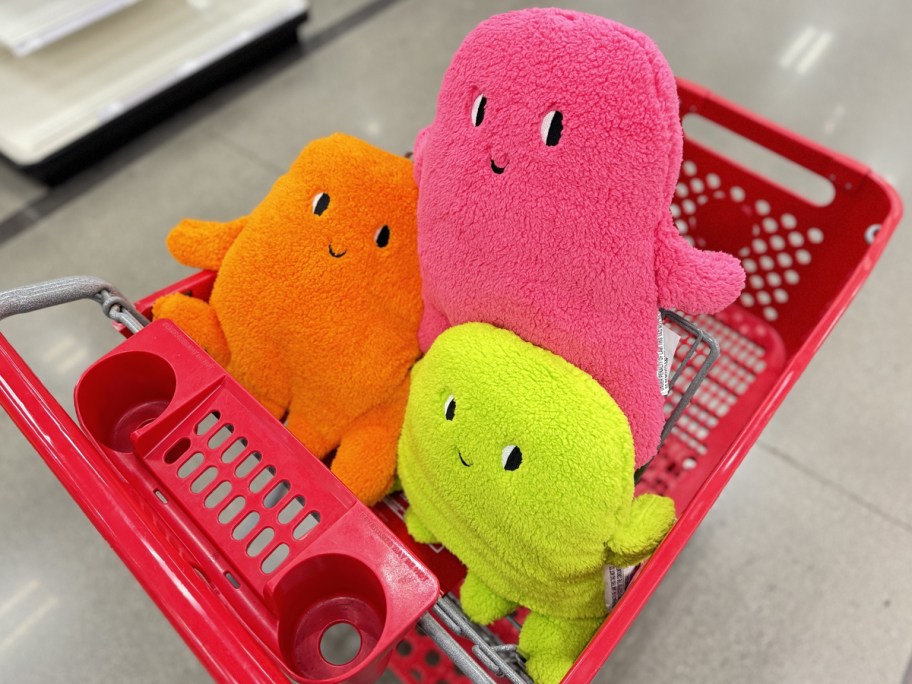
(64, 290)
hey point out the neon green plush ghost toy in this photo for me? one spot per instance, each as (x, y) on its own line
(522, 465)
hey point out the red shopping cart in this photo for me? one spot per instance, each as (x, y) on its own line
(255, 552)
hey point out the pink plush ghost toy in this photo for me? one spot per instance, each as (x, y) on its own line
(545, 183)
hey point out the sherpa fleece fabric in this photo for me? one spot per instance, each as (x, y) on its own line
(545, 182)
(316, 305)
(522, 465)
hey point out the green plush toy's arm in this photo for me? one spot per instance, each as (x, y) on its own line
(651, 517)
(481, 603)
(203, 244)
(418, 530)
(553, 644)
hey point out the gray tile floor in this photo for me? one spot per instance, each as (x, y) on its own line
(801, 571)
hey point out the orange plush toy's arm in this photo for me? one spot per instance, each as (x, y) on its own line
(203, 244)
(199, 320)
(366, 458)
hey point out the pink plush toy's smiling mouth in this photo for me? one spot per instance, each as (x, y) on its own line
(497, 169)
(334, 255)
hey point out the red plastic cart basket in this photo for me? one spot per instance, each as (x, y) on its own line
(253, 550)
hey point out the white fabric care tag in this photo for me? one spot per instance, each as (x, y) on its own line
(668, 344)
(663, 365)
(670, 341)
(616, 582)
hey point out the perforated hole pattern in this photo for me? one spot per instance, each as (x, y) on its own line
(732, 375)
(247, 478)
(778, 251)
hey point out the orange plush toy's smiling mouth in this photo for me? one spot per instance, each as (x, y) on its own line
(334, 255)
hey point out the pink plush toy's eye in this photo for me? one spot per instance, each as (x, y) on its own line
(478, 110)
(551, 128)
(320, 203)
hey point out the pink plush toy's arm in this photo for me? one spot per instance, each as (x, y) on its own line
(693, 280)
(418, 152)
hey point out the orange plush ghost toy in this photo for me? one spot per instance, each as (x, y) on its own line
(316, 304)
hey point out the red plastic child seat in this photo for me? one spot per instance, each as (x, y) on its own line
(259, 517)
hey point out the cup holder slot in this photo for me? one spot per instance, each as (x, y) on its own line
(123, 393)
(332, 612)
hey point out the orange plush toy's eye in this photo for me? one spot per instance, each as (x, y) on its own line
(382, 236)
(320, 203)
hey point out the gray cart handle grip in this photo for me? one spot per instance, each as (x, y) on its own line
(64, 290)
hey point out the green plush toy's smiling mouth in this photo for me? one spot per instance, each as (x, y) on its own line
(462, 460)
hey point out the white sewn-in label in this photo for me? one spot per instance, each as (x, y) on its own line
(670, 341)
(663, 363)
(616, 582)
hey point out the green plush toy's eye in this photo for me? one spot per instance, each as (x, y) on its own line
(551, 128)
(320, 203)
(382, 236)
(511, 457)
(478, 110)
(449, 407)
